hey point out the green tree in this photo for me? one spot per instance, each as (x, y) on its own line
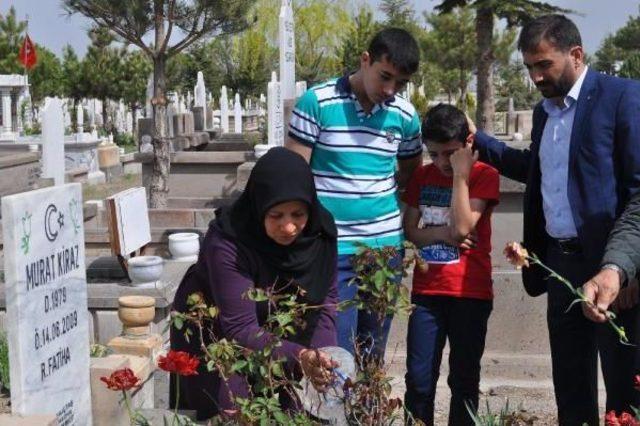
(132, 88)
(73, 84)
(11, 36)
(631, 66)
(100, 75)
(46, 77)
(515, 12)
(192, 20)
(357, 38)
(608, 55)
(628, 37)
(450, 45)
(512, 83)
(399, 13)
(320, 26)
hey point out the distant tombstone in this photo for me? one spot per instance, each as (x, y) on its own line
(79, 122)
(224, 110)
(301, 87)
(200, 92)
(198, 118)
(128, 122)
(188, 102)
(46, 293)
(237, 114)
(286, 38)
(275, 113)
(53, 140)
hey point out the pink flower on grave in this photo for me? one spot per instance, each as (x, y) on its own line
(636, 382)
(121, 380)
(179, 362)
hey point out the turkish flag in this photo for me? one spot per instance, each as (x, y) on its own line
(27, 55)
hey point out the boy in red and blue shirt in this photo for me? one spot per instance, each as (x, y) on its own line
(448, 216)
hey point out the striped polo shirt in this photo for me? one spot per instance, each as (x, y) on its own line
(354, 159)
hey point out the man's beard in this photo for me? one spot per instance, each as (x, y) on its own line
(558, 88)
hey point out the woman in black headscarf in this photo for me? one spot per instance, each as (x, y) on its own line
(276, 234)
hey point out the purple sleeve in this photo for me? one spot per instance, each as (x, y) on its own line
(237, 317)
(325, 333)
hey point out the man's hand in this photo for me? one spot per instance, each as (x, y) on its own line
(317, 366)
(462, 160)
(601, 291)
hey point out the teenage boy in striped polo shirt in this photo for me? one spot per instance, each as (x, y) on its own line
(351, 130)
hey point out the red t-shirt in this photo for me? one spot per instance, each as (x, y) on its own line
(453, 271)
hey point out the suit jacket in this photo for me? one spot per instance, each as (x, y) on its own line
(604, 168)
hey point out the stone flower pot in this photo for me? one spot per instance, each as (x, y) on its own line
(184, 246)
(135, 313)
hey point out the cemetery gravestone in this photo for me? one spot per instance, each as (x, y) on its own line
(275, 112)
(53, 140)
(287, 50)
(46, 293)
(224, 110)
(237, 115)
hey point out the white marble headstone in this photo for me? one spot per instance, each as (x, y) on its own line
(79, 121)
(53, 140)
(275, 112)
(46, 291)
(224, 110)
(286, 39)
(237, 114)
(200, 92)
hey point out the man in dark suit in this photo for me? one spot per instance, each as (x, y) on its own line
(580, 169)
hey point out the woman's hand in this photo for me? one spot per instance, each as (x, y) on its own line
(317, 366)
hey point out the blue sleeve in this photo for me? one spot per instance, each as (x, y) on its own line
(510, 162)
(628, 139)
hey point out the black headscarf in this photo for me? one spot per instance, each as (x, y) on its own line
(279, 176)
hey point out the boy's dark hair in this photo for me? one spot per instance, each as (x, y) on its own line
(398, 46)
(444, 123)
(558, 30)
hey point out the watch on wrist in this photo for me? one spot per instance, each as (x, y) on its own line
(619, 270)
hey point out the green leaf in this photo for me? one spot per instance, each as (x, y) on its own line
(178, 322)
(239, 365)
(379, 279)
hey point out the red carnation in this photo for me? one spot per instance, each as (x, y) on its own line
(179, 362)
(121, 380)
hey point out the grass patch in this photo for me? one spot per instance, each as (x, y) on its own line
(4, 361)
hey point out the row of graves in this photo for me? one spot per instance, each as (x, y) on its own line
(72, 267)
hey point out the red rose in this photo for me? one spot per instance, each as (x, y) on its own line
(179, 362)
(627, 419)
(122, 380)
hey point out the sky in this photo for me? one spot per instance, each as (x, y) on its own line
(50, 26)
